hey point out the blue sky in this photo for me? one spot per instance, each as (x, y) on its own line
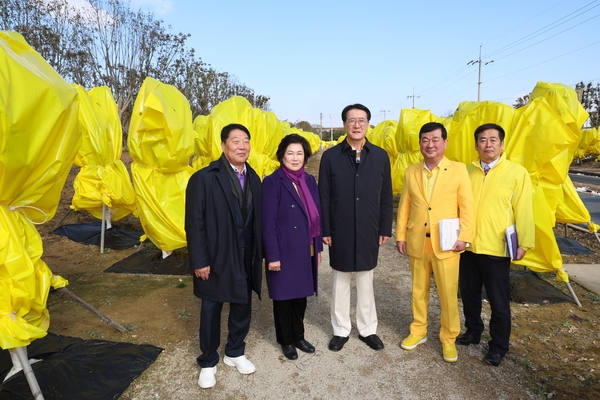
(313, 57)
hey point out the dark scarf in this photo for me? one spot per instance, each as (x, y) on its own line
(244, 197)
(299, 178)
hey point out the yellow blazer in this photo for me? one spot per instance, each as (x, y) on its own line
(452, 197)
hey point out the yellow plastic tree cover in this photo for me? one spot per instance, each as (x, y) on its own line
(313, 139)
(468, 116)
(543, 144)
(562, 99)
(266, 132)
(202, 143)
(403, 146)
(378, 134)
(39, 138)
(233, 110)
(570, 209)
(589, 144)
(103, 178)
(161, 142)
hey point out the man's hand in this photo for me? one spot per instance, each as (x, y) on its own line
(520, 254)
(202, 273)
(327, 240)
(274, 266)
(383, 239)
(401, 246)
(459, 246)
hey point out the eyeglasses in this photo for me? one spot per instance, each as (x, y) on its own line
(360, 121)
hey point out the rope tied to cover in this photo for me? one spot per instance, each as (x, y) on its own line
(17, 208)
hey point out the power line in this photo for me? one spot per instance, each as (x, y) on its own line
(436, 87)
(464, 71)
(544, 29)
(543, 40)
(520, 70)
(513, 44)
(427, 105)
(543, 62)
(525, 22)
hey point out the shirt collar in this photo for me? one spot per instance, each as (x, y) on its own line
(491, 164)
(237, 171)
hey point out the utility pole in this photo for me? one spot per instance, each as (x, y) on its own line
(321, 128)
(473, 62)
(413, 97)
(331, 130)
(384, 111)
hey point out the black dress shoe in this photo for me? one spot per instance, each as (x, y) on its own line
(492, 358)
(304, 346)
(289, 351)
(372, 341)
(466, 339)
(337, 342)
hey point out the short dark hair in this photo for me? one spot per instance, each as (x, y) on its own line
(232, 127)
(355, 107)
(485, 127)
(291, 139)
(432, 126)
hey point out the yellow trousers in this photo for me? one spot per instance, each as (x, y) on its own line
(445, 273)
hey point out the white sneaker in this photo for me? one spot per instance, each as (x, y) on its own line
(243, 365)
(207, 377)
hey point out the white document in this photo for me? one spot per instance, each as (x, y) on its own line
(449, 230)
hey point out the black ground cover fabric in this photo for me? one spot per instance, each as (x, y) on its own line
(73, 368)
(570, 246)
(528, 287)
(90, 233)
(151, 262)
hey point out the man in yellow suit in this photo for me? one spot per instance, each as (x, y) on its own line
(434, 190)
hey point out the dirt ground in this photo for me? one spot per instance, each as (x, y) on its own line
(555, 349)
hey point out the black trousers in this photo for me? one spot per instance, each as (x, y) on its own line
(289, 320)
(494, 274)
(210, 330)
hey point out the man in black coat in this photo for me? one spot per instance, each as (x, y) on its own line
(355, 187)
(223, 228)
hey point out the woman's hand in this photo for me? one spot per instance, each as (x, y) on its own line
(274, 266)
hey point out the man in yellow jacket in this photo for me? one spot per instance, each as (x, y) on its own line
(434, 190)
(503, 199)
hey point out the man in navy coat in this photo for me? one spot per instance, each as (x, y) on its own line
(223, 228)
(355, 186)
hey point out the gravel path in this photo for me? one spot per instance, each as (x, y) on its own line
(355, 371)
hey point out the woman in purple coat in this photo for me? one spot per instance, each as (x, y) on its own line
(292, 242)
